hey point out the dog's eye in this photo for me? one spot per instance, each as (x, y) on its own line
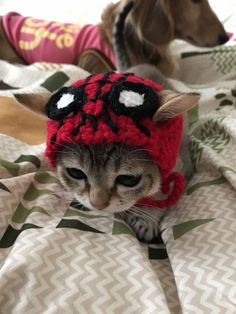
(76, 173)
(128, 181)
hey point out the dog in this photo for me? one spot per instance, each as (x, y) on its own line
(150, 28)
(152, 25)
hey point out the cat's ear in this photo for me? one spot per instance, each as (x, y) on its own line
(54, 106)
(34, 102)
(173, 104)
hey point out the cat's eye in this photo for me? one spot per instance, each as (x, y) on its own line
(76, 173)
(127, 180)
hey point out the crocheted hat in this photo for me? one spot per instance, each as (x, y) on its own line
(119, 108)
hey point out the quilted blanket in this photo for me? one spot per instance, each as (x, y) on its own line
(55, 258)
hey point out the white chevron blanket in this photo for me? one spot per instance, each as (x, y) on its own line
(56, 259)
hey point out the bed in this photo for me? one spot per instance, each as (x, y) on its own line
(56, 259)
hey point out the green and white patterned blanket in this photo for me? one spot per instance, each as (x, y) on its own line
(57, 259)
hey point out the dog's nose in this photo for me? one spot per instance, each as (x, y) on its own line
(222, 39)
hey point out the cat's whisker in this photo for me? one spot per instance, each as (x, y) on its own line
(71, 145)
(64, 152)
(152, 221)
(139, 150)
(139, 211)
(135, 151)
(140, 215)
(123, 140)
(146, 160)
(143, 212)
(69, 149)
(62, 198)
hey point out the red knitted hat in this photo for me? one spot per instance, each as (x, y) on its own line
(117, 107)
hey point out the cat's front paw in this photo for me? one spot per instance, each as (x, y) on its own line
(143, 229)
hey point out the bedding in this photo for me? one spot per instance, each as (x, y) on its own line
(54, 258)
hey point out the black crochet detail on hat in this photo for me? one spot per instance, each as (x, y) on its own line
(53, 139)
(78, 99)
(133, 99)
(148, 98)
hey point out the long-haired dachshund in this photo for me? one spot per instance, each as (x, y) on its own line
(150, 28)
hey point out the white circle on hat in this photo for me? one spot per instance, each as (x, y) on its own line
(131, 98)
(65, 101)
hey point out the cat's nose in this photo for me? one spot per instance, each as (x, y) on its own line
(99, 204)
(99, 198)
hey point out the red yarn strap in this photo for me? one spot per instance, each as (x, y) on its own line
(178, 187)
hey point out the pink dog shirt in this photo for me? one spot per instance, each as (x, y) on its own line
(39, 40)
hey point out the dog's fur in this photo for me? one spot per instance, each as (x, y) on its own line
(151, 27)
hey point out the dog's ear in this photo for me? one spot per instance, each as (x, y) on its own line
(173, 104)
(153, 21)
(34, 102)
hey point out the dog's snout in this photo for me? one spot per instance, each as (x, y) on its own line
(222, 39)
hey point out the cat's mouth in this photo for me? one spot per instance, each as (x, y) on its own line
(84, 205)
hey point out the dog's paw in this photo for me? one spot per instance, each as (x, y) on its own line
(144, 230)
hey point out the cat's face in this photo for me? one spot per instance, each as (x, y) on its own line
(107, 177)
